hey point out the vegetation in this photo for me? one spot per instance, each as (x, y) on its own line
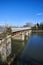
(8, 30)
(41, 26)
(38, 27)
(0, 56)
(2, 35)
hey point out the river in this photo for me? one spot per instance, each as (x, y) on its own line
(33, 51)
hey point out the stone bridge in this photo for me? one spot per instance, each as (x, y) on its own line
(19, 33)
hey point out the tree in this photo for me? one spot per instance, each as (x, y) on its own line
(41, 26)
(38, 24)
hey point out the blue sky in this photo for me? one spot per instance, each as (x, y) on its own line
(18, 12)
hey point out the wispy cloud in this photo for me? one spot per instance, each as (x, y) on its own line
(39, 14)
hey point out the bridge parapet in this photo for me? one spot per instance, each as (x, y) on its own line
(20, 29)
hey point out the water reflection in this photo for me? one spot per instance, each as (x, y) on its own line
(33, 51)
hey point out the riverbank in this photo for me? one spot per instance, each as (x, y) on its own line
(37, 31)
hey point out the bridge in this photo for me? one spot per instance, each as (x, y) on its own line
(19, 33)
(20, 29)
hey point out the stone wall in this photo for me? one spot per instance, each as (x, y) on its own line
(21, 35)
(5, 47)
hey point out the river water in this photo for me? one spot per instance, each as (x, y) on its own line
(33, 51)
